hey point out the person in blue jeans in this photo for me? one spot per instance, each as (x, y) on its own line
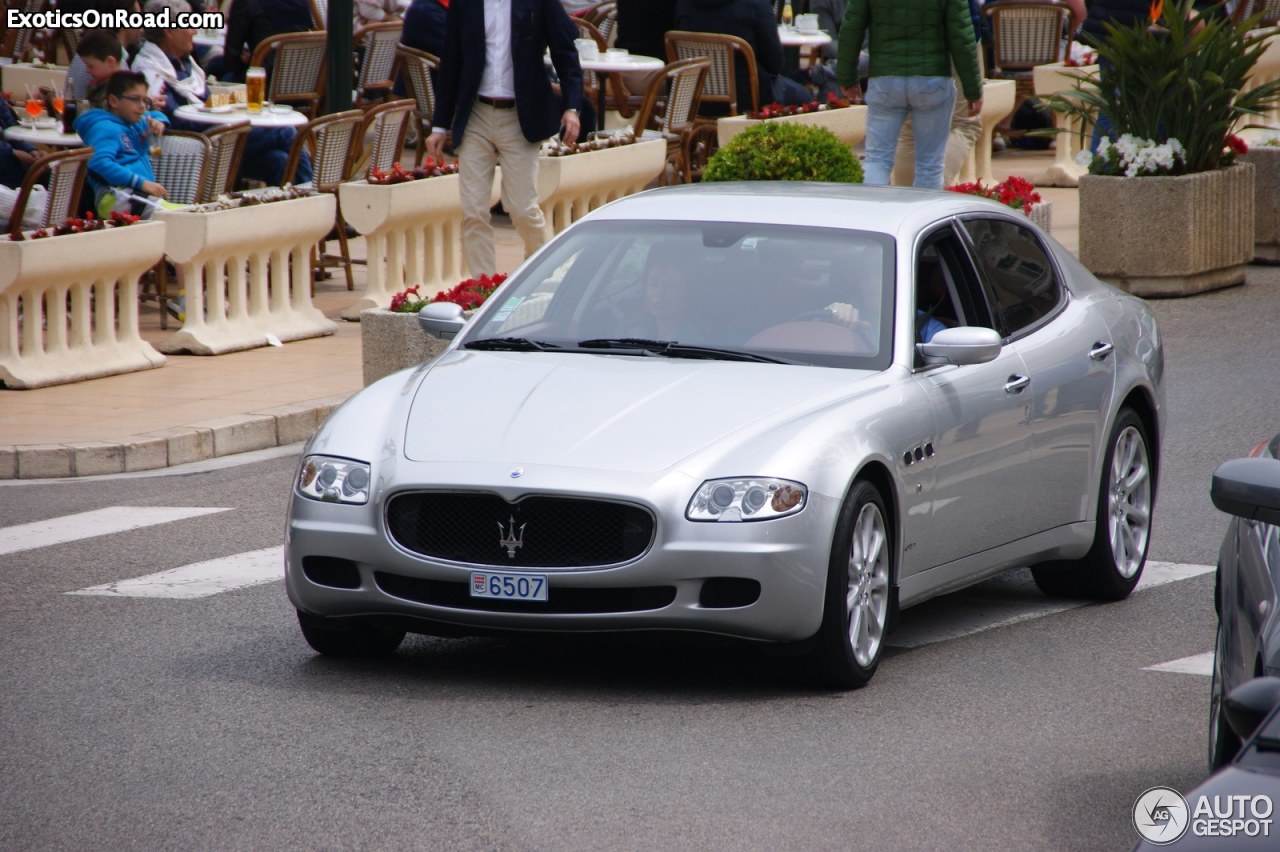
(913, 45)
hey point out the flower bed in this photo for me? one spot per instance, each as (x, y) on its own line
(848, 123)
(570, 187)
(1018, 193)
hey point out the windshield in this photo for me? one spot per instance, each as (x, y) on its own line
(776, 293)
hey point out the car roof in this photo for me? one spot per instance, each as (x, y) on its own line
(887, 209)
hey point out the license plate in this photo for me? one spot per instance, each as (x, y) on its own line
(508, 587)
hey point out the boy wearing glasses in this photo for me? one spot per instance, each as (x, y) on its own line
(118, 135)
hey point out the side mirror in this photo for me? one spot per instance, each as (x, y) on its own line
(441, 320)
(1248, 488)
(1246, 706)
(964, 345)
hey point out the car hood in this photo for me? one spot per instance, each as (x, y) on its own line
(614, 412)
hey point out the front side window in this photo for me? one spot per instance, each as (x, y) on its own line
(1018, 278)
(809, 295)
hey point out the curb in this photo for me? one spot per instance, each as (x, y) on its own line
(224, 436)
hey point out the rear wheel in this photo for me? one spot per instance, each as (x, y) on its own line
(1126, 495)
(856, 605)
(348, 639)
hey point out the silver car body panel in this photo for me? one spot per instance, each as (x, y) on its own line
(1008, 478)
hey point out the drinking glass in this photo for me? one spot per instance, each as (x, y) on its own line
(255, 86)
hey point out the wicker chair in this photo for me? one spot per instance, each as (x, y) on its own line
(180, 165)
(332, 139)
(378, 64)
(605, 18)
(670, 109)
(721, 86)
(1268, 9)
(227, 143)
(417, 66)
(591, 81)
(1024, 35)
(381, 137)
(319, 14)
(17, 42)
(66, 171)
(298, 73)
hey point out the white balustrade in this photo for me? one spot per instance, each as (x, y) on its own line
(998, 97)
(849, 124)
(246, 272)
(1266, 70)
(69, 305)
(1055, 79)
(413, 236)
(570, 187)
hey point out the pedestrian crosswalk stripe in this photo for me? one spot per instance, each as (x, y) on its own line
(1006, 600)
(113, 519)
(1197, 664)
(200, 579)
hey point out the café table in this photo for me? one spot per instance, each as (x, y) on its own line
(268, 117)
(792, 37)
(613, 62)
(47, 137)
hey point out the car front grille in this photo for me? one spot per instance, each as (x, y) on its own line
(536, 532)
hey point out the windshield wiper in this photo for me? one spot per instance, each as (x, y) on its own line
(511, 344)
(675, 349)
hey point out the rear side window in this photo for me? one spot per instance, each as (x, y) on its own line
(1017, 276)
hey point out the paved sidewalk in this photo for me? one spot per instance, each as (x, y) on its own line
(200, 407)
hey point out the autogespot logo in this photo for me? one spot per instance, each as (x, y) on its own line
(1160, 815)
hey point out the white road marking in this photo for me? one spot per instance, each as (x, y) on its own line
(112, 519)
(200, 579)
(1198, 664)
(1004, 600)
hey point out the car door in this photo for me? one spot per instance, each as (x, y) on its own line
(976, 461)
(1069, 356)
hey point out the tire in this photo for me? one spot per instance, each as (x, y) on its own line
(1224, 745)
(857, 600)
(349, 640)
(1126, 497)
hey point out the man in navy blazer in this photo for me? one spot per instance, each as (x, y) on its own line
(495, 97)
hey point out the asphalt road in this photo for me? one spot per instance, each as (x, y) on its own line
(196, 723)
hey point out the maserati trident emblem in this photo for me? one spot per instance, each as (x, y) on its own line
(511, 538)
(517, 472)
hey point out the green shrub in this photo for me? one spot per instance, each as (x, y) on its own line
(777, 150)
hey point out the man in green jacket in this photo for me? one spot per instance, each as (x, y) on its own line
(913, 44)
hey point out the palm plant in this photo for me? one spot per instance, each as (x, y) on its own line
(1180, 78)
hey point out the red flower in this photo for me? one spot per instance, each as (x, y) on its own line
(1236, 144)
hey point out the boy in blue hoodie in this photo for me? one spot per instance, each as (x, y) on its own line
(118, 136)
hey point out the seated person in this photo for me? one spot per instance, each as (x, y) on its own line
(117, 132)
(94, 63)
(251, 22)
(754, 22)
(934, 310)
(174, 79)
(15, 159)
(657, 307)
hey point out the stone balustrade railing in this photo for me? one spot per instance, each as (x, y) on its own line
(1053, 79)
(849, 124)
(69, 305)
(570, 187)
(413, 236)
(246, 272)
(1266, 70)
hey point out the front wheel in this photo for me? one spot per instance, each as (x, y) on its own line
(348, 640)
(1126, 496)
(1223, 742)
(856, 604)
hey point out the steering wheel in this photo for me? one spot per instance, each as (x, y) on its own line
(860, 328)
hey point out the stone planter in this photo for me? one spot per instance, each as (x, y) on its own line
(570, 187)
(849, 124)
(247, 273)
(69, 305)
(1169, 236)
(391, 341)
(1266, 201)
(413, 234)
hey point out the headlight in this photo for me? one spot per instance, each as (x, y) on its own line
(334, 480)
(746, 500)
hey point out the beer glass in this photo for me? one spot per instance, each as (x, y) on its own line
(255, 86)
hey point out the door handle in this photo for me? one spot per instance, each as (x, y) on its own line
(1016, 384)
(1101, 350)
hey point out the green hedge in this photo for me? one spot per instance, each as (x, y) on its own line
(776, 150)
